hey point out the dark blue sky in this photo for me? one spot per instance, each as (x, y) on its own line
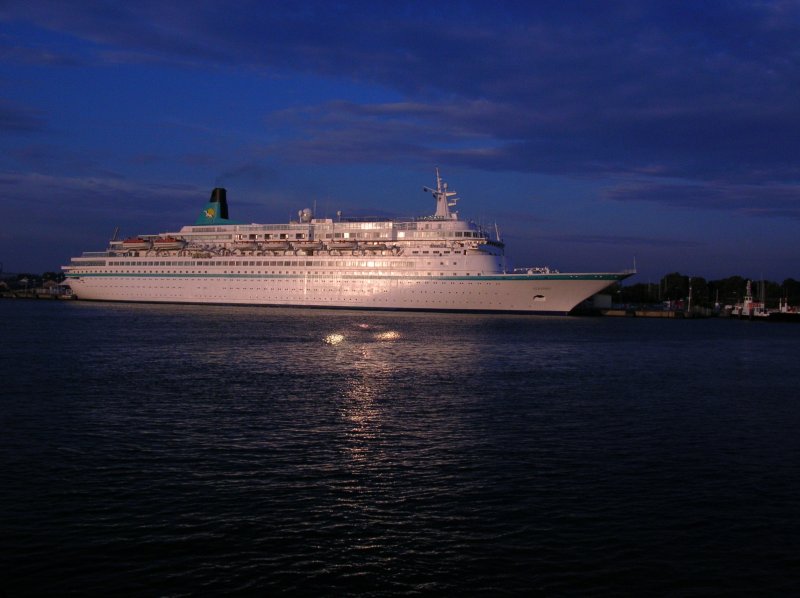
(592, 132)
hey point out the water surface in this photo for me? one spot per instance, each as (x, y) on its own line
(181, 450)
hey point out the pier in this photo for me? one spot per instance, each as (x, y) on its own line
(650, 313)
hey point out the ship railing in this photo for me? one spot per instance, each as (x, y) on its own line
(95, 254)
(362, 219)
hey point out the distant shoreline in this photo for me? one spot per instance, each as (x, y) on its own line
(31, 295)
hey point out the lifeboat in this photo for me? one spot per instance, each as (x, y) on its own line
(307, 245)
(136, 243)
(245, 245)
(275, 245)
(342, 245)
(165, 243)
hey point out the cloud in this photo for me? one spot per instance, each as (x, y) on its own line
(98, 195)
(37, 56)
(344, 132)
(751, 200)
(703, 93)
(19, 119)
(623, 240)
(253, 173)
(51, 159)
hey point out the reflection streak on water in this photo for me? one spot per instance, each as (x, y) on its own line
(368, 371)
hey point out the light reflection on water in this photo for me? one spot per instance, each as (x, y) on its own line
(334, 338)
(366, 388)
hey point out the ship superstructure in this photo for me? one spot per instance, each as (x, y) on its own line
(433, 263)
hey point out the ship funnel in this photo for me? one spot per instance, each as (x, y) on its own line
(219, 195)
(216, 210)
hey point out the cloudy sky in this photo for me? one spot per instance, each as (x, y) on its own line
(593, 133)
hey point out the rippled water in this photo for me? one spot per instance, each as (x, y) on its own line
(179, 450)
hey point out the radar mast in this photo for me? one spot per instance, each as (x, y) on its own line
(444, 199)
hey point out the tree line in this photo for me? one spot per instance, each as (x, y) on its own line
(28, 279)
(707, 293)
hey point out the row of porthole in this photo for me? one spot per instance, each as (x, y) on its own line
(188, 273)
(314, 288)
(298, 287)
(348, 297)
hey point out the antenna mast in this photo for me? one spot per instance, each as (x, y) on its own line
(444, 199)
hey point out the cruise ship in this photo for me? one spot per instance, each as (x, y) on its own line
(433, 263)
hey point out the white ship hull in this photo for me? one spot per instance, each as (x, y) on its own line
(436, 263)
(538, 293)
